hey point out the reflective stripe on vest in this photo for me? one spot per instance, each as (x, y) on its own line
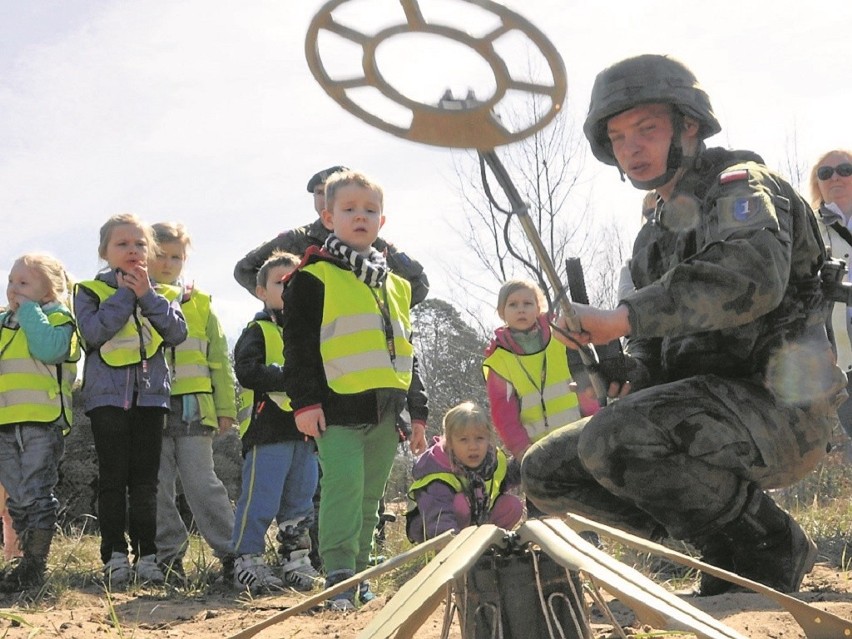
(124, 348)
(188, 363)
(273, 345)
(355, 352)
(459, 484)
(526, 374)
(30, 390)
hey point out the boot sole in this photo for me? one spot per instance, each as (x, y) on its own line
(806, 565)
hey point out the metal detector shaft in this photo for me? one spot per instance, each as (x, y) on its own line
(521, 210)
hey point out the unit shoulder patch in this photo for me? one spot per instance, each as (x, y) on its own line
(745, 212)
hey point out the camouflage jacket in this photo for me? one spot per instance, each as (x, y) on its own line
(298, 240)
(726, 279)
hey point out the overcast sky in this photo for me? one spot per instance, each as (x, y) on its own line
(205, 111)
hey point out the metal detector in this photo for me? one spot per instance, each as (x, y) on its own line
(458, 123)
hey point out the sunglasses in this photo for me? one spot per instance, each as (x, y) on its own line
(843, 170)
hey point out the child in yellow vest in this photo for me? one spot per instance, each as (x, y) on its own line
(203, 404)
(279, 463)
(125, 324)
(526, 372)
(38, 354)
(461, 479)
(349, 367)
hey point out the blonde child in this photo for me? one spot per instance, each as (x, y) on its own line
(348, 369)
(461, 479)
(125, 324)
(203, 404)
(280, 464)
(38, 351)
(526, 372)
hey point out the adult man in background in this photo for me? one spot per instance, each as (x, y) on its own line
(298, 240)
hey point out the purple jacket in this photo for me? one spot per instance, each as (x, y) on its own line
(435, 501)
(97, 322)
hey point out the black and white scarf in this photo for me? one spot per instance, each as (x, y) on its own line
(477, 490)
(372, 270)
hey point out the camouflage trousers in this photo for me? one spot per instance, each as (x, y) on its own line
(678, 455)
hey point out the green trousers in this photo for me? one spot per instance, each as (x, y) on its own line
(356, 462)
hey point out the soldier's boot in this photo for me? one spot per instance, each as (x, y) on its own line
(29, 571)
(769, 546)
(294, 555)
(716, 550)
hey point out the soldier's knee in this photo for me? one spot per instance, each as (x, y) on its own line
(597, 442)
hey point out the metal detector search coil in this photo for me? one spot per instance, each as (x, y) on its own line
(474, 124)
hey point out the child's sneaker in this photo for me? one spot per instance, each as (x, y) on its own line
(148, 571)
(365, 593)
(345, 600)
(293, 555)
(116, 571)
(252, 573)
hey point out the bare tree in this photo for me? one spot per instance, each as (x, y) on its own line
(792, 166)
(546, 169)
(450, 358)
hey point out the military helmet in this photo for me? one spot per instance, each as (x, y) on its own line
(641, 80)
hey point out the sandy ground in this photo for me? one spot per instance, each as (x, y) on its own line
(86, 613)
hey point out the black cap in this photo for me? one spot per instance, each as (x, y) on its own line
(321, 176)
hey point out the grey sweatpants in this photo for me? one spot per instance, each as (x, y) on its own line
(191, 458)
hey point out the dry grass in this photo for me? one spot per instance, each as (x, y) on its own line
(822, 503)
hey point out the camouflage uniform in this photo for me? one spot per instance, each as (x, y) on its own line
(734, 385)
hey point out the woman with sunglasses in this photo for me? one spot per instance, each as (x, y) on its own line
(831, 196)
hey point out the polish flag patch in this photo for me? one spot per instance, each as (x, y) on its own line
(733, 176)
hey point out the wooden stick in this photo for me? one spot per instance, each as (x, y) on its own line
(433, 544)
(817, 624)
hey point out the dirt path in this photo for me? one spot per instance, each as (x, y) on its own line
(86, 614)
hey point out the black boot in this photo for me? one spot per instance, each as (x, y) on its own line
(716, 550)
(769, 546)
(29, 571)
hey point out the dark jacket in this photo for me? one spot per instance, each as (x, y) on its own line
(304, 375)
(298, 240)
(98, 322)
(269, 423)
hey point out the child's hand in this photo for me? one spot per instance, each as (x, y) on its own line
(16, 299)
(225, 424)
(417, 441)
(311, 421)
(136, 280)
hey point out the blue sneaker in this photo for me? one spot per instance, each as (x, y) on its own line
(365, 593)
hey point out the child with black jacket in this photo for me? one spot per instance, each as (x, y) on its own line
(280, 463)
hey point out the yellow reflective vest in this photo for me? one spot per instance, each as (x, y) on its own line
(190, 369)
(31, 390)
(459, 484)
(365, 337)
(135, 341)
(274, 348)
(541, 381)
(196, 369)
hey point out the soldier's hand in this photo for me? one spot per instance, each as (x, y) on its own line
(597, 326)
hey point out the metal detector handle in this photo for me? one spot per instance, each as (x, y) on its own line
(521, 210)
